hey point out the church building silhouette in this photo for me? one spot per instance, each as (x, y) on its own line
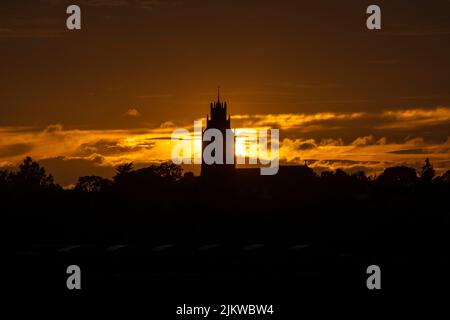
(220, 120)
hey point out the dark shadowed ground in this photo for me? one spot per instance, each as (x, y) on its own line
(288, 240)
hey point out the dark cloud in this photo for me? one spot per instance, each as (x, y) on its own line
(109, 148)
(66, 171)
(349, 166)
(16, 149)
(410, 151)
(159, 138)
(347, 162)
(307, 146)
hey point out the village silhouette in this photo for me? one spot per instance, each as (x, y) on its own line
(229, 221)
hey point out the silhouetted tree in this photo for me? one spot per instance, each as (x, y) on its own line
(360, 181)
(360, 176)
(136, 187)
(125, 168)
(168, 170)
(92, 184)
(4, 176)
(296, 173)
(326, 174)
(31, 176)
(446, 177)
(397, 177)
(338, 184)
(4, 179)
(427, 173)
(295, 187)
(188, 175)
(123, 172)
(339, 173)
(339, 177)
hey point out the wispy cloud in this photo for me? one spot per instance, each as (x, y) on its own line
(412, 118)
(364, 150)
(291, 121)
(388, 119)
(132, 112)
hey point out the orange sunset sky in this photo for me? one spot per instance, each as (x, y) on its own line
(82, 102)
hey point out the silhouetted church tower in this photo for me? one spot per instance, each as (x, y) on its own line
(221, 121)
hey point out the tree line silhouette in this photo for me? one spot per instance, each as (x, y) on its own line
(162, 201)
(32, 177)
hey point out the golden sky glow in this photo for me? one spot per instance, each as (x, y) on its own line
(108, 148)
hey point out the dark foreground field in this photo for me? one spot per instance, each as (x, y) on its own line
(166, 264)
